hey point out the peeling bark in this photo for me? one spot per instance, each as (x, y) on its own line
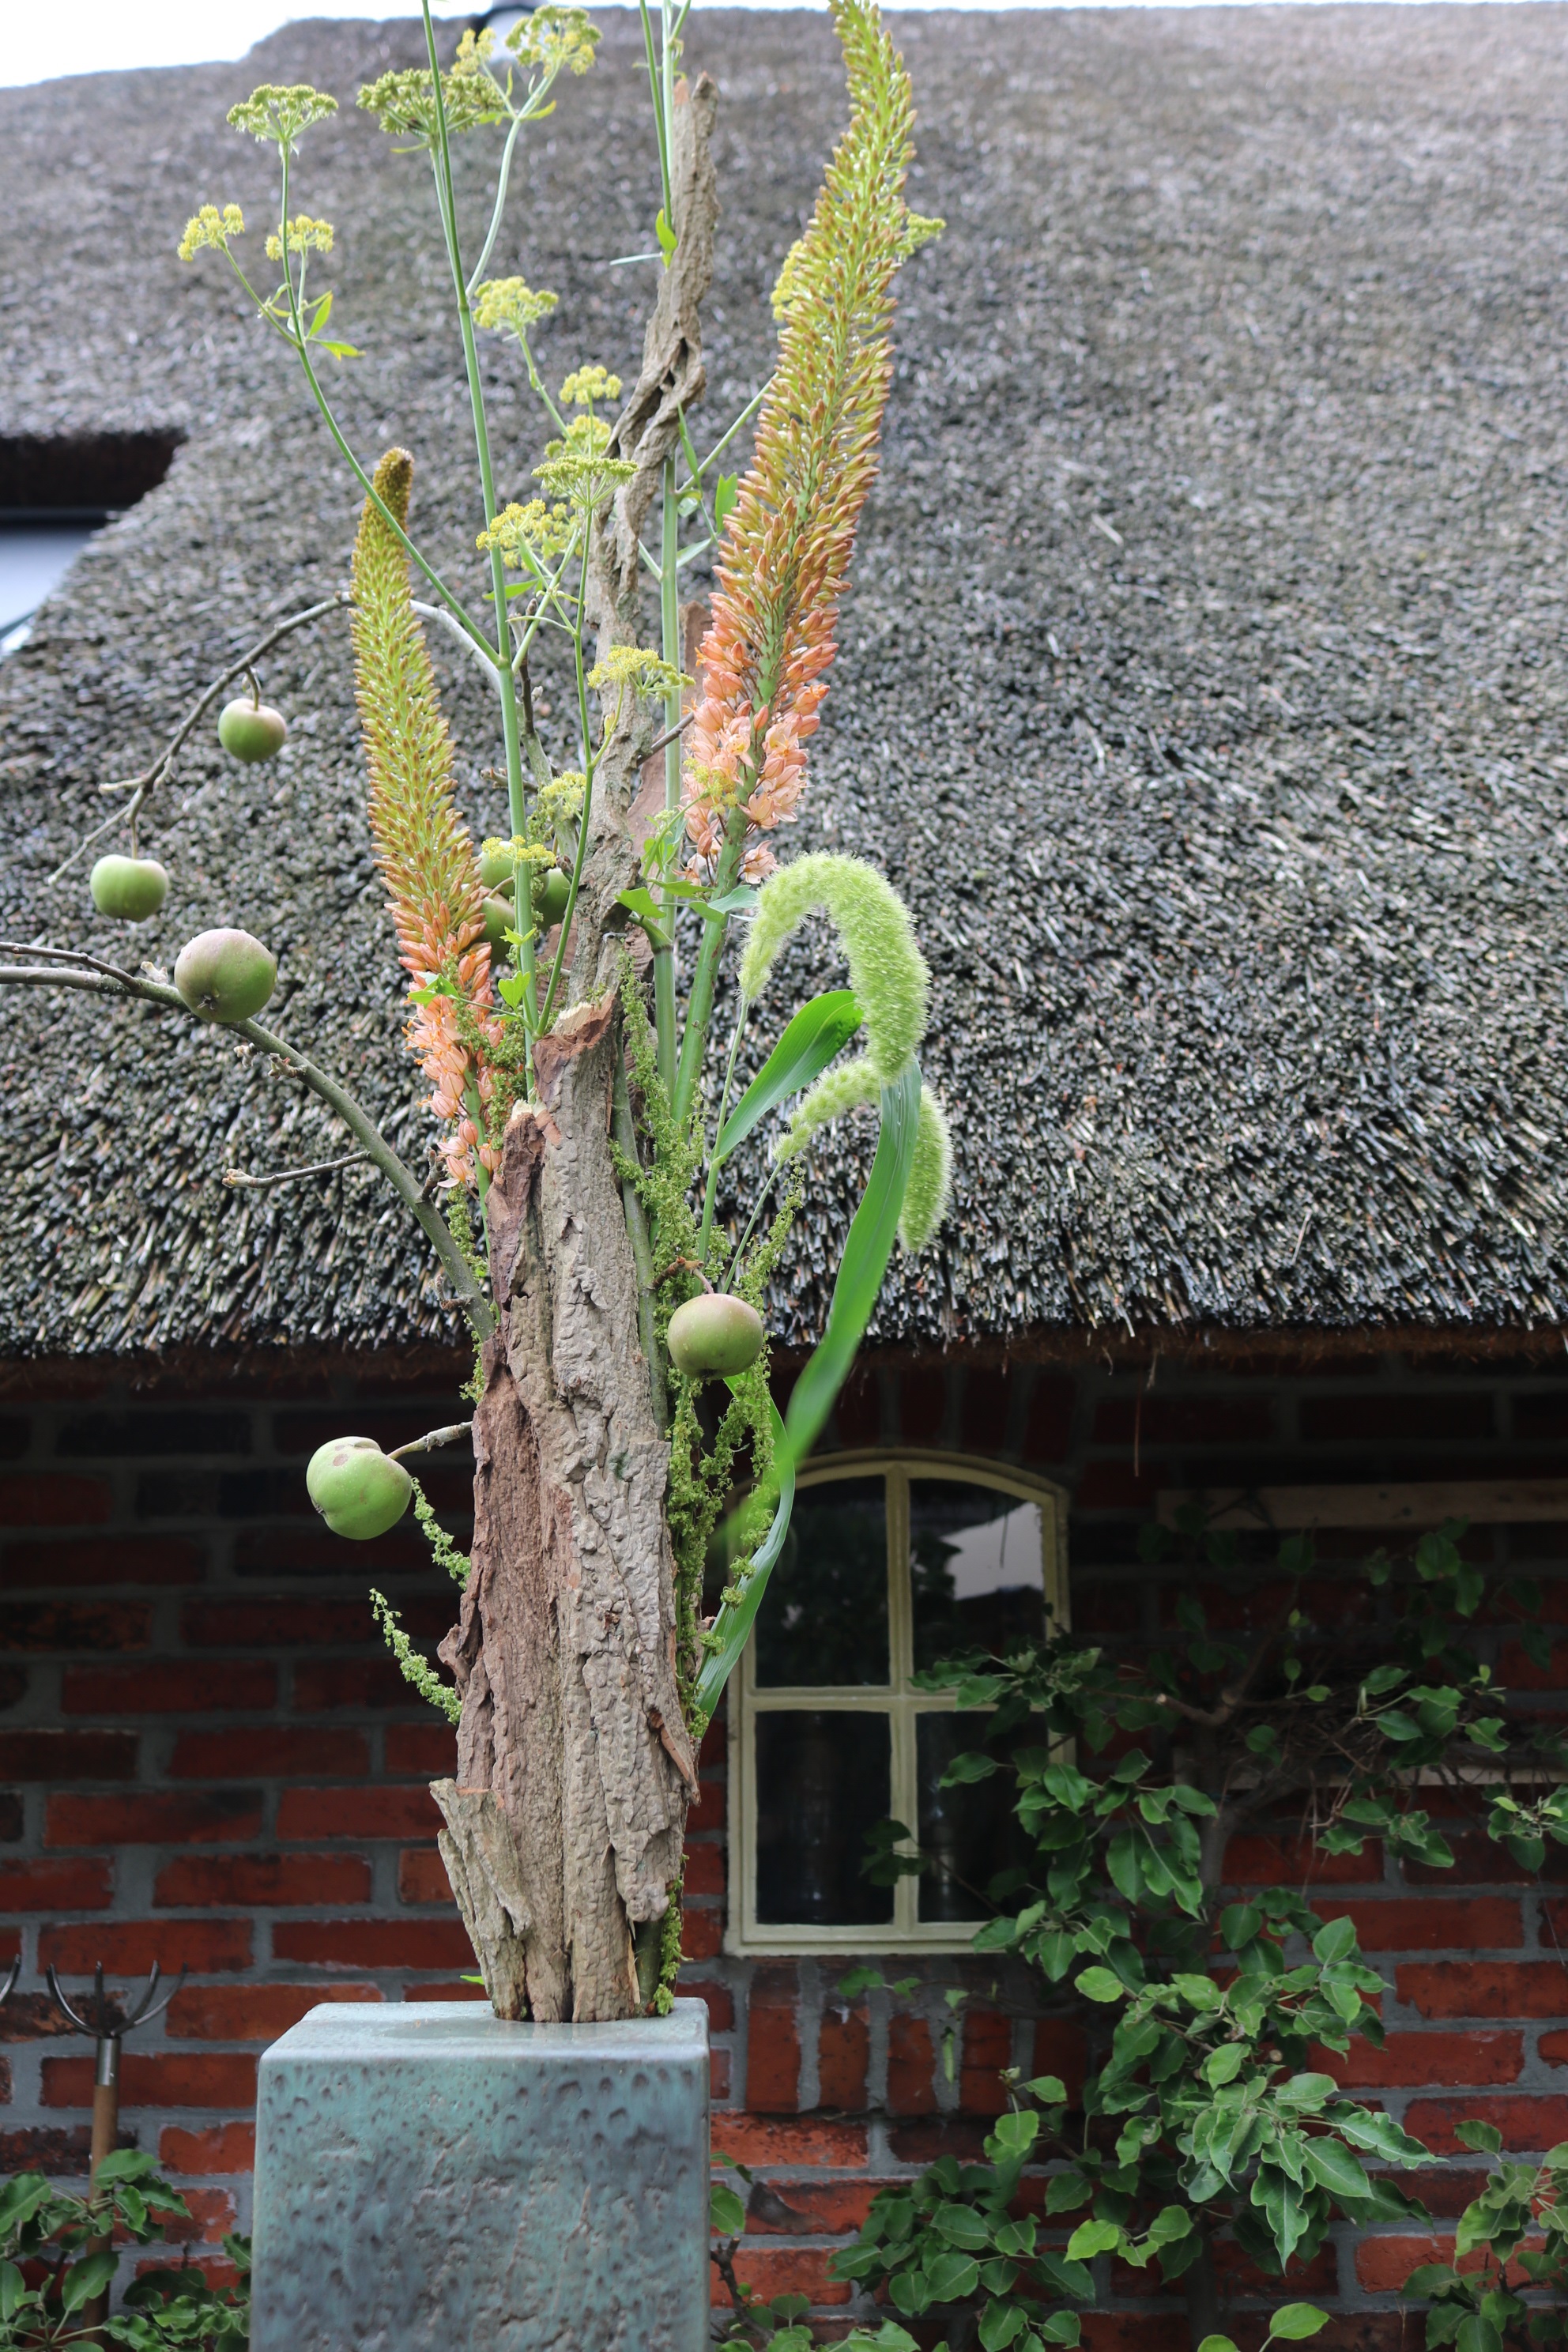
(563, 1654)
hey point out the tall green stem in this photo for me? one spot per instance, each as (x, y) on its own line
(642, 1246)
(511, 733)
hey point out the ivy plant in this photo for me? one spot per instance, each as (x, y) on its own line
(58, 2257)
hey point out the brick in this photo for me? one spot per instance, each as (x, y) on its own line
(1136, 2331)
(309, 1549)
(704, 1870)
(251, 2013)
(1484, 1988)
(702, 1933)
(1112, 1487)
(1059, 2049)
(139, 1435)
(323, 1684)
(42, 1565)
(1263, 1861)
(1527, 2125)
(713, 1753)
(986, 1400)
(217, 1816)
(843, 2056)
(1479, 1861)
(33, 2017)
(422, 1876)
(55, 1756)
(708, 1812)
(374, 1943)
(717, 2074)
(810, 2209)
(773, 2041)
(781, 2270)
(204, 1946)
(41, 1498)
(910, 2085)
(1184, 1420)
(720, 2000)
(276, 1751)
(1422, 1923)
(1426, 1416)
(62, 2152)
(34, 1627)
(157, 2079)
(429, 1749)
(454, 1991)
(14, 1681)
(384, 1813)
(763, 2140)
(1414, 2060)
(1382, 2264)
(987, 2047)
(933, 2136)
(922, 1406)
(1047, 1436)
(80, 1884)
(283, 1624)
(170, 1688)
(267, 1880)
(210, 2212)
(222, 2147)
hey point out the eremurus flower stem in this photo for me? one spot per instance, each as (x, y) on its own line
(441, 160)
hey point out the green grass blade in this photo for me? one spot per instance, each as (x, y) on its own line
(733, 1623)
(819, 1030)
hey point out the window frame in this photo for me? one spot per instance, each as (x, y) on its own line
(745, 1936)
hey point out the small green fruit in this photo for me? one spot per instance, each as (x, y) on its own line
(498, 920)
(551, 893)
(715, 1336)
(251, 731)
(225, 975)
(495, 867)
(359, 1490)
(129, 887)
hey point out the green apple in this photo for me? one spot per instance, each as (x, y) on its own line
(251, 731)
(225, 975)
(715, 1336)
(130, 887)
(551, 892)
(495, 865)
(359, 1490)
(498, 920)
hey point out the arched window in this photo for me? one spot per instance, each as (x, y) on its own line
(893, 1563)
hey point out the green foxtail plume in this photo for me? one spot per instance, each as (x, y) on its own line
(931, 1177)
(886, 971)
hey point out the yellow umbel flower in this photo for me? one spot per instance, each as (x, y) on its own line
(211, 227)
(280, 111)
(305, 236)
(635, 666)
(584, 385)
(510, 302)
(531, 533)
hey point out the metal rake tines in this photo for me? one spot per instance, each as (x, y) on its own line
(12, 1973)
(103, 2025)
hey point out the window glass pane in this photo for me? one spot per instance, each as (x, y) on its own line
(824, 1618)
(976, 1569)
(823, 1781)
(970, 1832)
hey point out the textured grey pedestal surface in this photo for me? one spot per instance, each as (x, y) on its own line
(431, 2180)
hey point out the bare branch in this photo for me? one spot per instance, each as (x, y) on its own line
(432, 1439)
(107, 980)
(158, 773)
(239, 1181)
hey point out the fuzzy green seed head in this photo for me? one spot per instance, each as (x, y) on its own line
(930, 1175)
(847, 1087)
(886, 971)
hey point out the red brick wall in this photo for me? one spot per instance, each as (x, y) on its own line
(205, 1756)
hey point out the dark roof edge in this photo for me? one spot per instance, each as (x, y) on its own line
(303, 1372)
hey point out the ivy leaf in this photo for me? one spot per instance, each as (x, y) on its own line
(726, 2214)
(1485, 2138)
(1294, 2322)
(1091, 2238)
(1333, 2168)
(999, 2322)
(1101, 1984)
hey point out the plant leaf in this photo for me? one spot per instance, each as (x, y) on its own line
(1294, 2322)
(819, 1030)
(735, 1619)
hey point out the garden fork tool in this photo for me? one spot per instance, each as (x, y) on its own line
(106, 2027)
(9, 1987)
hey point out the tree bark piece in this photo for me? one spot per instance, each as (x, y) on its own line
(483, 1865)
(564, 1651)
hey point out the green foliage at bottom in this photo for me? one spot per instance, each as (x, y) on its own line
(53, 2263)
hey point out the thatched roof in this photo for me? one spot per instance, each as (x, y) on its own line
(1203, 685)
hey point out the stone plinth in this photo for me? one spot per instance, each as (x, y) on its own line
(429, 2179)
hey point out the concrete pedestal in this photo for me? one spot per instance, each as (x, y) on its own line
(429, 2179)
